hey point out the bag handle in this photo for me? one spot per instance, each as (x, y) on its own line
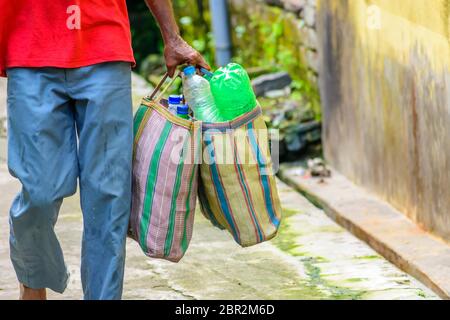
(164, 78)
(160, 84)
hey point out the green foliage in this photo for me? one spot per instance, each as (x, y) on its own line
(144, 31)
(264, 38)
(194, 21)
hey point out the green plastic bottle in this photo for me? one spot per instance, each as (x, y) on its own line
(232, 91)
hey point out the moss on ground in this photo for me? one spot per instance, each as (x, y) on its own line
(316, 281)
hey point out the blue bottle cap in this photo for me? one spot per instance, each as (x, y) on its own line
(183, 109)
(206, 72)
(175, 99)
(188, 71)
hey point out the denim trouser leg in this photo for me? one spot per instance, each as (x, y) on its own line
(42, 155)
(104, 124)
(47, 108)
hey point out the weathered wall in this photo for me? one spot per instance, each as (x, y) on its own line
(385, 88)
(282, 33)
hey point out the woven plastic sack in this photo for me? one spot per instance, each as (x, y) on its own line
(165, 179)
(237, 188)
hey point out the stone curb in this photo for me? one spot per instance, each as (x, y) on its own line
(377, 223)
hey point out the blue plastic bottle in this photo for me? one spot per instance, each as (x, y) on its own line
(175, 100)
(183, 111)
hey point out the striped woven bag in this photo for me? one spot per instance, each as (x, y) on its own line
(165, 179)
(237, 188)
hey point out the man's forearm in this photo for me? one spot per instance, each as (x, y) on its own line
(176, 51)
(163, 12)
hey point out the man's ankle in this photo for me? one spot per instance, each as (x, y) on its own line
(32, 294)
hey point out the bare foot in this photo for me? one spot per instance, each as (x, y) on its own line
(32, 294)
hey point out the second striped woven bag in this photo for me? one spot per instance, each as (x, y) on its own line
(237, 188)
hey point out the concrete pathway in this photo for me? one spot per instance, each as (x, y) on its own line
(375, 221)
(311, 258)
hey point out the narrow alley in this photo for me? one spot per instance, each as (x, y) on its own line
(311, 258)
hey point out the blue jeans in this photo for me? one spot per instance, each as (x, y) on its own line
(65, 125)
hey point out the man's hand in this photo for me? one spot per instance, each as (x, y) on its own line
(178, 52)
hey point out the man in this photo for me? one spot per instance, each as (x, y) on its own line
(70, 117)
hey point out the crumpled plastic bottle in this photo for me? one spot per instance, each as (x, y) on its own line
(198, 96)
(232, 91)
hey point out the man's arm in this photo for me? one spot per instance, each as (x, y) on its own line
(176, 50)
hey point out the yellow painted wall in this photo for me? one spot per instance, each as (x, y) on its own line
(385, 88)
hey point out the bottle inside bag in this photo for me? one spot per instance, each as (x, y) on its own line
(183, 111)
(175, 100)
(197, 93)
(232, 91)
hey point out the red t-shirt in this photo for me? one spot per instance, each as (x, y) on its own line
(63, 33)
